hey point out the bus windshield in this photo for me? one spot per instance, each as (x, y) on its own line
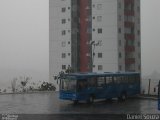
(68, 84)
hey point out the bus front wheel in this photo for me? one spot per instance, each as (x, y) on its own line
(75, 102)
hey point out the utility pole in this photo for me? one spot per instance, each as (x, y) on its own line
(92, 53)
(149, 84)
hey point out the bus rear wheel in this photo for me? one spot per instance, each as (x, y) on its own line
(123, 97)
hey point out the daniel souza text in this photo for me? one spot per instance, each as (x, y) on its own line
(143, 117)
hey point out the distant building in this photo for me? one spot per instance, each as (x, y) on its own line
(154, 80)
(94, 35)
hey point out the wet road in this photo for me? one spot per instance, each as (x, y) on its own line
(49, 103)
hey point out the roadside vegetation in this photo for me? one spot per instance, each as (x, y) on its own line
(23, 84)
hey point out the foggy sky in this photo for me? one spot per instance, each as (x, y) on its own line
(24, 35)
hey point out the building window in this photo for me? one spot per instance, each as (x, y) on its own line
(138, 32)
(69, 54)
(99, 6)
(99, 18)
(93, 17)
(130, 42)
(93, 5)
(63, 32)
(119, 30)
(154, 89)
(69, 8)
(99, 30)
(139, 67)
(139, 55)
(99, 55)
(93, 29)
(119, 5)
(63, 44)
(120, 67)
(119, 18)
(120, 55)
(120, 43)
(63, 67)
(63, 55)
(138, 19)
(138, 44)
(69, 42)
(63, 21)
(63, 9)
(138, 8)
(100, 67)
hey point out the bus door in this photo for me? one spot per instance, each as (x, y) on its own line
(101, 86)
(159, 95)
(110, 89)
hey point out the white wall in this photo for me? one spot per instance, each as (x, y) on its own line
(56, 38)
(109, 47)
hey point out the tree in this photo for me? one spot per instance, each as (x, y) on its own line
(62, 73)
(45, 86)
(4, 90)
(69, 70)
(24, 81)
(13, 84)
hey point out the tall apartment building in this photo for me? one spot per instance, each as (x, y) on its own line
(94, 35)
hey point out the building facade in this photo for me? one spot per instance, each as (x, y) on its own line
(94, 36)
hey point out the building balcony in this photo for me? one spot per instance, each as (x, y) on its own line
(128, 24)
(129, 61)
(129, 48)
(129, 36)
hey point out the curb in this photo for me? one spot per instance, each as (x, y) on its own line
(147, 97)
(39, 92)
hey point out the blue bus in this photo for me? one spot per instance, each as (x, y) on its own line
(90, 86)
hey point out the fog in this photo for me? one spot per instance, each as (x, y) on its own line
(24, 38)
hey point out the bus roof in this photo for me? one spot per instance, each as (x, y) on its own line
(92, 74)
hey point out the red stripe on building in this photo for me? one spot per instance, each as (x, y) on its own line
(84, 38)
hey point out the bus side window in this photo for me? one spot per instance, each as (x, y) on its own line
(92, 82)
(115, 79)
(137, 79)
(132, 79)
(124, 79)
(100, 81)
(127, 79)
(120, 79)
(108, 80)
(82, 84)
